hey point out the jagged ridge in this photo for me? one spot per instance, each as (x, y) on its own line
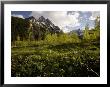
(44, 23)
(32, 28)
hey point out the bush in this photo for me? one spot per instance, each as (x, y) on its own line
(74, 38)
(74, 65)
(51, 38)
(67, 60)
(64, 38)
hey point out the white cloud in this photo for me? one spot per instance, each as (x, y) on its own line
(59, 18)
(71, 27)
(66, 30)
(92, 18)
(94, 15)
(19, 16)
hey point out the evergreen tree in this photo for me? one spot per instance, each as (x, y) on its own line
(86, 36)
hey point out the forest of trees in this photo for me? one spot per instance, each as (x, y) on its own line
(37, 51)
(23, 30)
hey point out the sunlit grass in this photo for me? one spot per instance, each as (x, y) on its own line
(70, 59)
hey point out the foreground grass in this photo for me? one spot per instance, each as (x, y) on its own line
(56, 60)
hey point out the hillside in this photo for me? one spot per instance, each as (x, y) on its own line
(40, 49)
(30, 28)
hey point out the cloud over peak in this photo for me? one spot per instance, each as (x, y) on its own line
(59, 18)
(66, 20)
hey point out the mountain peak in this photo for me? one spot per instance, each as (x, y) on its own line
(41, 19)
(44, 22)
(31, 17)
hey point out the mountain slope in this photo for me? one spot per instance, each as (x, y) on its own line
(35, 29)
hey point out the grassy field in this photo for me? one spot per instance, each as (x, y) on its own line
(41, 59)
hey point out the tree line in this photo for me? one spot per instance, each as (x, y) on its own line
(22, 29)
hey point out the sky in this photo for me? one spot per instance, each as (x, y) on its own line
(66, 20)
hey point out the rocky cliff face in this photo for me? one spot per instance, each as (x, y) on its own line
(34, 29)
(44, 23)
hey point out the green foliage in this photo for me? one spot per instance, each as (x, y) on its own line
(55, 55)
(19, 28)
(65, 60)
(86, 35)
(74, 38)
(51, 38)
(64, 38)
(94, 34)
(97, 23)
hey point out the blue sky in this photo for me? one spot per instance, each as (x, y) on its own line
(24, 14)
(66, 20)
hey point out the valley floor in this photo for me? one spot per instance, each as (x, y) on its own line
(55, 60)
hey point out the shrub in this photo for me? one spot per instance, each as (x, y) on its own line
(51, 38)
